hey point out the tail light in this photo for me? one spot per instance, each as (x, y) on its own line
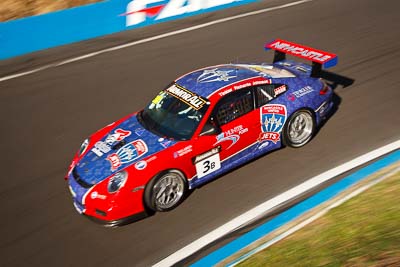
(324, 89)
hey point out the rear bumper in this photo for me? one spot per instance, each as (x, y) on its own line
(325, 109)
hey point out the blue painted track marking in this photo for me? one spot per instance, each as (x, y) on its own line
(296, 211)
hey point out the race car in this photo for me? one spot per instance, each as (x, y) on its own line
(200, 126)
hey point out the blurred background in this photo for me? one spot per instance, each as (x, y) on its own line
(14, 9)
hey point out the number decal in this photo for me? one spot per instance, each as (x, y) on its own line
(208, 165)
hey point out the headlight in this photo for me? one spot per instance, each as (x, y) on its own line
(117, 181)
(84, 145)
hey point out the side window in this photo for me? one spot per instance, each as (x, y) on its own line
(233, 106)
(266, 93)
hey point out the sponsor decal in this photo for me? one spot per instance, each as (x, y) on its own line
(118, 135)
(183, 151)
(225, 92)
(207, 162)
(158, 98)
(95, 195)
(141, 165)
(140, 11)
(232, 135)
(115, 161)
(207, 166)
(268, 81)
(215, 75)
(222, 138)
(103, 147)
(243, 85)
(303, 91)
(128, 153)
(186, 96)
(279, 90)
(165, 143)
(263, 145)
(139, 131)
(305, 52)
(157, 101)
(291, 97)
(273, 117)
(151, 159)
(207, 154)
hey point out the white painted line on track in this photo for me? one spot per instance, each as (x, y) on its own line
(270, 204)
(150, 39)
(316, 216)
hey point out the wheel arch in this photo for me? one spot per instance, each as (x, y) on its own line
(151, 182)
(284, 129)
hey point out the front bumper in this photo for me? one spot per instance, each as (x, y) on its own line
(109, 215)
(109, 209)
(119, 222)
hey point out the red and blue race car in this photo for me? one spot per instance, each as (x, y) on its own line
(200, 126)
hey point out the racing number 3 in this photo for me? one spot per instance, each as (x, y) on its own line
(208, 165)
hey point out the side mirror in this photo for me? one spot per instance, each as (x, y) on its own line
(210, 128)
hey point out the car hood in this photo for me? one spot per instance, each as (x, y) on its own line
(124, 145)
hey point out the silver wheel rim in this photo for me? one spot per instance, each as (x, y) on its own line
(300, 128)
(168, 190)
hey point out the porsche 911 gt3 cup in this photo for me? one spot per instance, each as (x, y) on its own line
(200, 126)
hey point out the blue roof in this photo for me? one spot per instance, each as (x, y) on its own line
(205, 81)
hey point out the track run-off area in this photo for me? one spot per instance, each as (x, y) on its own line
(50, 101)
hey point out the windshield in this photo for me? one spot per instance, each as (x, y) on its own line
(174, 113)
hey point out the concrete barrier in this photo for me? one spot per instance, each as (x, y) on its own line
(23, 36)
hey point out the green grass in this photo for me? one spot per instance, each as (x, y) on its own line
(364, 231)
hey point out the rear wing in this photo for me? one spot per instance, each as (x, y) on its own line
(319, 58)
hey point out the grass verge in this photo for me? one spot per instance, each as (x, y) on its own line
(364, 231)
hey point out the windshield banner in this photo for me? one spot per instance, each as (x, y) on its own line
(186, 96)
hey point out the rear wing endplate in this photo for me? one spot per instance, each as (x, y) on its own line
(319, 58)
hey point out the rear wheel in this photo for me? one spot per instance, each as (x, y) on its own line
(299, 129)
(166, 191)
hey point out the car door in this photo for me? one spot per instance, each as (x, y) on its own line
(232, 129)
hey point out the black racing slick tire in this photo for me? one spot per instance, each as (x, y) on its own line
(166, 191)
(299, 129)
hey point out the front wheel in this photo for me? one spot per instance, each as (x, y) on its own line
(166, 191)
(299, 129)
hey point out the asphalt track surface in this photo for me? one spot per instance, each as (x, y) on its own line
(46, 115)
